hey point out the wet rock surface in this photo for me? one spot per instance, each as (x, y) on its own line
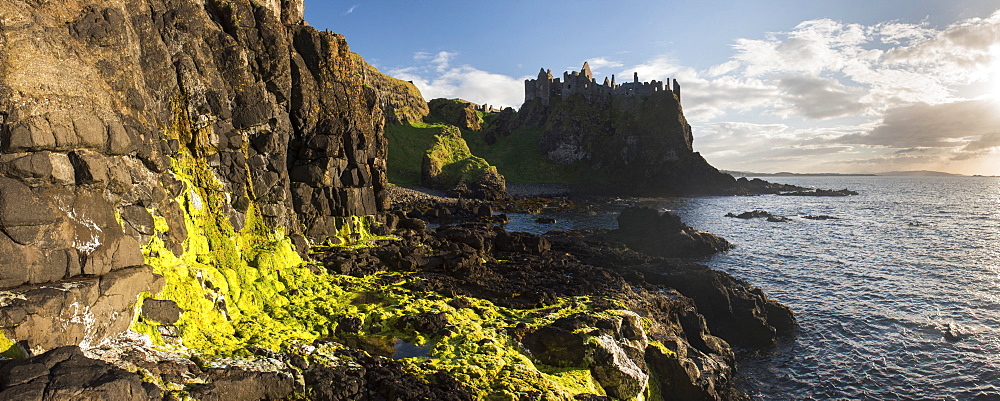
(774, 218)
(695, 312)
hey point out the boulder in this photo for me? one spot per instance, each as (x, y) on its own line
(613, 346)
(664, 234)
(490, 185)
(236, 383)
(735, 310)
(160, 311)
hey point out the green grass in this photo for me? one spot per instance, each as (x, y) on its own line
(519, 158)
(407, 145)
(443, 143)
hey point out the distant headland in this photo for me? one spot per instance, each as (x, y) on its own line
(908, 173)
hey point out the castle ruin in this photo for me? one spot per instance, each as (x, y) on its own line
(546, 87)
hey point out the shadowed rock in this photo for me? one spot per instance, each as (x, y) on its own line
(663, 234)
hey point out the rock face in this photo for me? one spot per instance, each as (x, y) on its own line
(208, 141)
(82, 310)
(65, 373)
(96, 99)
(400, 100)
(456, 112)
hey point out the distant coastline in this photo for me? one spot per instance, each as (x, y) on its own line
(912, 173)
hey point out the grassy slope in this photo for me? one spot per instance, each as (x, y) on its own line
(519, 158)
(408, 143)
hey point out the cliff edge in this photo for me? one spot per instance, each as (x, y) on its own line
(123, 120)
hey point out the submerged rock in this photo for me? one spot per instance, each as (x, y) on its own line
(820, 217)
(774, 218)
(953, 332)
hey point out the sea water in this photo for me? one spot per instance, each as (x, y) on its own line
(874, 289)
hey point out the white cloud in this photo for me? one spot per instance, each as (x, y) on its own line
(972, 124)
(598, 64)
(351, 9)
(723, 68)
(437, 78)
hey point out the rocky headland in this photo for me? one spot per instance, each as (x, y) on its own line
(194, 204)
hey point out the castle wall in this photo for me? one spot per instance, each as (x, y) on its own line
(545, 87)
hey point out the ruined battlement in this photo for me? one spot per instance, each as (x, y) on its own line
(546, 87)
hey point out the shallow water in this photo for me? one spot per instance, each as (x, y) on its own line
(873, 289)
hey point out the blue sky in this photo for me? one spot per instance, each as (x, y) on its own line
(817, 86)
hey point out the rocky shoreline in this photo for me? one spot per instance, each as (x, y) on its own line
(195, 204)
(629, 320)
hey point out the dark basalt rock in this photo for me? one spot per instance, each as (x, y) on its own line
(733, 309)
(820, 217)
(521, 270)
(65, 373)
(160, 311)
(954, 333)
(774, 218)
(614, 348)
(663, 234)
(427, 323)
(489, 186)
(556, 345)
(758, 186)
(289, 120)
(378, 378)
(750, 214)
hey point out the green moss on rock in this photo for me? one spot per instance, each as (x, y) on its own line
(449, 161)
(9, 348)
(249, 287)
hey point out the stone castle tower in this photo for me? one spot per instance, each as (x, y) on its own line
(546, 87)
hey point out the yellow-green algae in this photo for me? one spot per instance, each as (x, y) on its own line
(355, 232)
(250, 287)
(9, 348)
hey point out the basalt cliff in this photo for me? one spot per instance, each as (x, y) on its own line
(194, 204)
